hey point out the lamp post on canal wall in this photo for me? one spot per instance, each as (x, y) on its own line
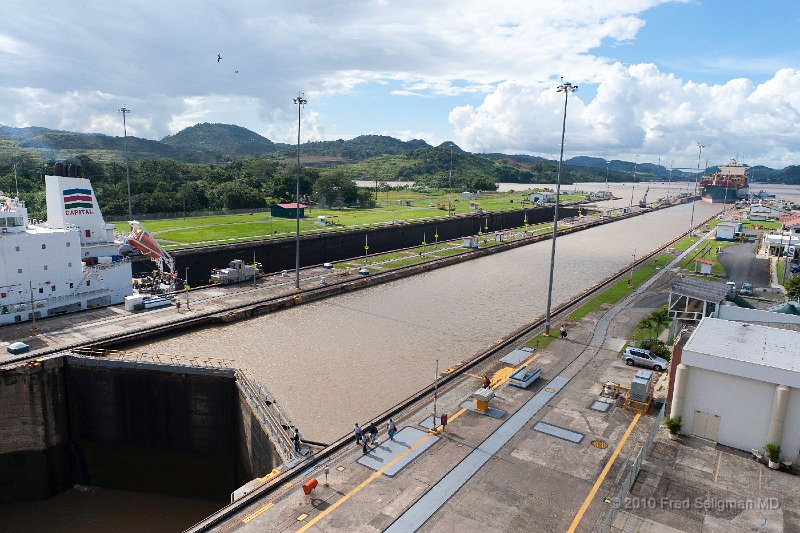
(300, 101)
(566, 88)
(125, 111)
(694, 198)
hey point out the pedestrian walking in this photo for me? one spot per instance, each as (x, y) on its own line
(486, 381)
(563, 332)
(364, 444)
(357, 433)
(373, 433)
(391, 429)
(296, 439)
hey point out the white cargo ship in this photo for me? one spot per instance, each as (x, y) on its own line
(70, 263)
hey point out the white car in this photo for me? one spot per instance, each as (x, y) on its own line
(642, 357)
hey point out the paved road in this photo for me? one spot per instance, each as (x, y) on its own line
(742, 265)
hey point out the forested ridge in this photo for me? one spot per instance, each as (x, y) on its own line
(220, 167)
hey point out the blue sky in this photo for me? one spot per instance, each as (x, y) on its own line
(656, 77)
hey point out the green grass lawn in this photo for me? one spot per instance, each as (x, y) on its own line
(615, 293)
(683, 244)
(541, 340)
(190, 231)
(762, 224)
(709, 250)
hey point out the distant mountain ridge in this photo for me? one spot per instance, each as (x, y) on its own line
(218, 143)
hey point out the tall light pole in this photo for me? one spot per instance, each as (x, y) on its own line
(608, 163)
(300, 101)
(450, 184)
(635, 164)
(669, 183)
(565, 88)
(694, 198)
(125, 111)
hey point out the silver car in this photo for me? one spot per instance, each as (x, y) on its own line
(642, 357)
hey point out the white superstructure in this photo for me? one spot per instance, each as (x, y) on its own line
(69, 263)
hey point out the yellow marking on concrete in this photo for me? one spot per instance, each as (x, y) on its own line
(760, 477)
(504, 374)
(366, 482)
(255, 514)
(716, 470)
(302, 517)
(375, 475)
(579, 516)
(340, 468)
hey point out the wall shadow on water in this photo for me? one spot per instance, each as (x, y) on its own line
(180, 432)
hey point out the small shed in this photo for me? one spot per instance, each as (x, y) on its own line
(760, 212)
(288, 210)
(728, 231)
(541, 197)
(703, 265)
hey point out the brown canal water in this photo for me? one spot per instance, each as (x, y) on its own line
(348, 358)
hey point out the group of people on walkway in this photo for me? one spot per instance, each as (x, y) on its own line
(369, 435)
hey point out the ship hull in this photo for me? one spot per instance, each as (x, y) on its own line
(721, 194)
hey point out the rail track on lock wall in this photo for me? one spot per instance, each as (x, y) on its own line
(274, 303)
(219, 519)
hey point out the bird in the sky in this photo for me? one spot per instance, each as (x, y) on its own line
(219, 58)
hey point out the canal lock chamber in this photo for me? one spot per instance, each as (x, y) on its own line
(193, 430)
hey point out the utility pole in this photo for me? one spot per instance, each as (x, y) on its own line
(566, 88)
(125, 111)
(694, 198)
(301, 102)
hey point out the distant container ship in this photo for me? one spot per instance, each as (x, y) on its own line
(70, 263)
(727, 185)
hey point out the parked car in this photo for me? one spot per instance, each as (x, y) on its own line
(746, 290)
(645, 358)
(795, 268)
(731, 286)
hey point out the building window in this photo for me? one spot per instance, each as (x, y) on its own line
(44, 246)
(69, 244)
(71, 286)
(19, 271)
(41, 290)
(69, 265)
(53, 288)
(16, 248)
(88, 233)
(88, 282)
(45, 267)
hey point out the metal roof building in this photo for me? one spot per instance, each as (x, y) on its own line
(738, 384)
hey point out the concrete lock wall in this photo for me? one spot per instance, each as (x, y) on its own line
(64, 422)
(279, 254)
(257, 455)
(34, 434)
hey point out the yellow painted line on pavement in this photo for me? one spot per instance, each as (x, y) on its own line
(716, 470)
(364, 483)
(255, 514)
(602, 476)
(375, 475)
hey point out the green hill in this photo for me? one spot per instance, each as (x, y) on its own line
(223, 140)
